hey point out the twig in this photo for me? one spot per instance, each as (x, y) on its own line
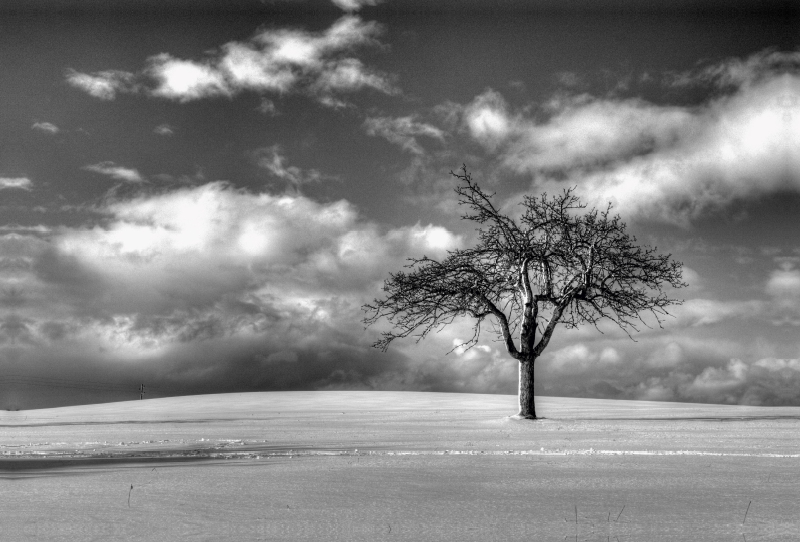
(129, 496)
(621, 511)
(746, 511)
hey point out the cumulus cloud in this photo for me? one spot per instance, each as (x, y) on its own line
(579, 358)
(22, 183)
(742, 146)
(403, 131)
(668, 368)
(488, 120)
(185, 80)
(46, 127)
(657, 162)
(209, 288)
(273, 61)
(584, 133)
(766, 381)
(117, 172)
(204, 284)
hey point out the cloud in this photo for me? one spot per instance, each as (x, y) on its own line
(669, 163)
(267, 107)
(349, 75)
(736, 72)
(249, 67)
(276, 61)
(104, 84)
(354, 5)
(116, 172)
(273, 160)
(702, 312)
(47, 127)
(487, 119)
(783, 286)
(738, 147)
(584, 133)
(403, 131)
(767, 381)
(578, 358)
(676, 367)
(22, 183)
(210, 287)
(164, 130)
(202, 285)
(184, 80)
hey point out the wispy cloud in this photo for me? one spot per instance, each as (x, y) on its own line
(403, 131)
(273, 61)
(702, 312)
(273, 160)
(738, 72)
(117, 172)
(164, 130)
(267, 107)
(104, 84)
(22, 183)
(47, 127)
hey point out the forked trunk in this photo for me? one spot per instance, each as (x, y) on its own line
(527, 409)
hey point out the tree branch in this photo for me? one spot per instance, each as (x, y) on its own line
(581, 263)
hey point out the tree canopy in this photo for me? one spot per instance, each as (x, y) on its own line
(558, 262)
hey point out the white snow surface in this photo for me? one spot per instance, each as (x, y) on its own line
(345, 465)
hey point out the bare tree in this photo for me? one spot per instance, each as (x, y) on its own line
(557, 263)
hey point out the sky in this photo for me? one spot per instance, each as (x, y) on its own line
(200, 197)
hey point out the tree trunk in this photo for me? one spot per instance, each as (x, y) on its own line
(527, 409)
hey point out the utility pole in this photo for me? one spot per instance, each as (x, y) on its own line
(141, 391)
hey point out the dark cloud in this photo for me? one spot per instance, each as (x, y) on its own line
(211, 287)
